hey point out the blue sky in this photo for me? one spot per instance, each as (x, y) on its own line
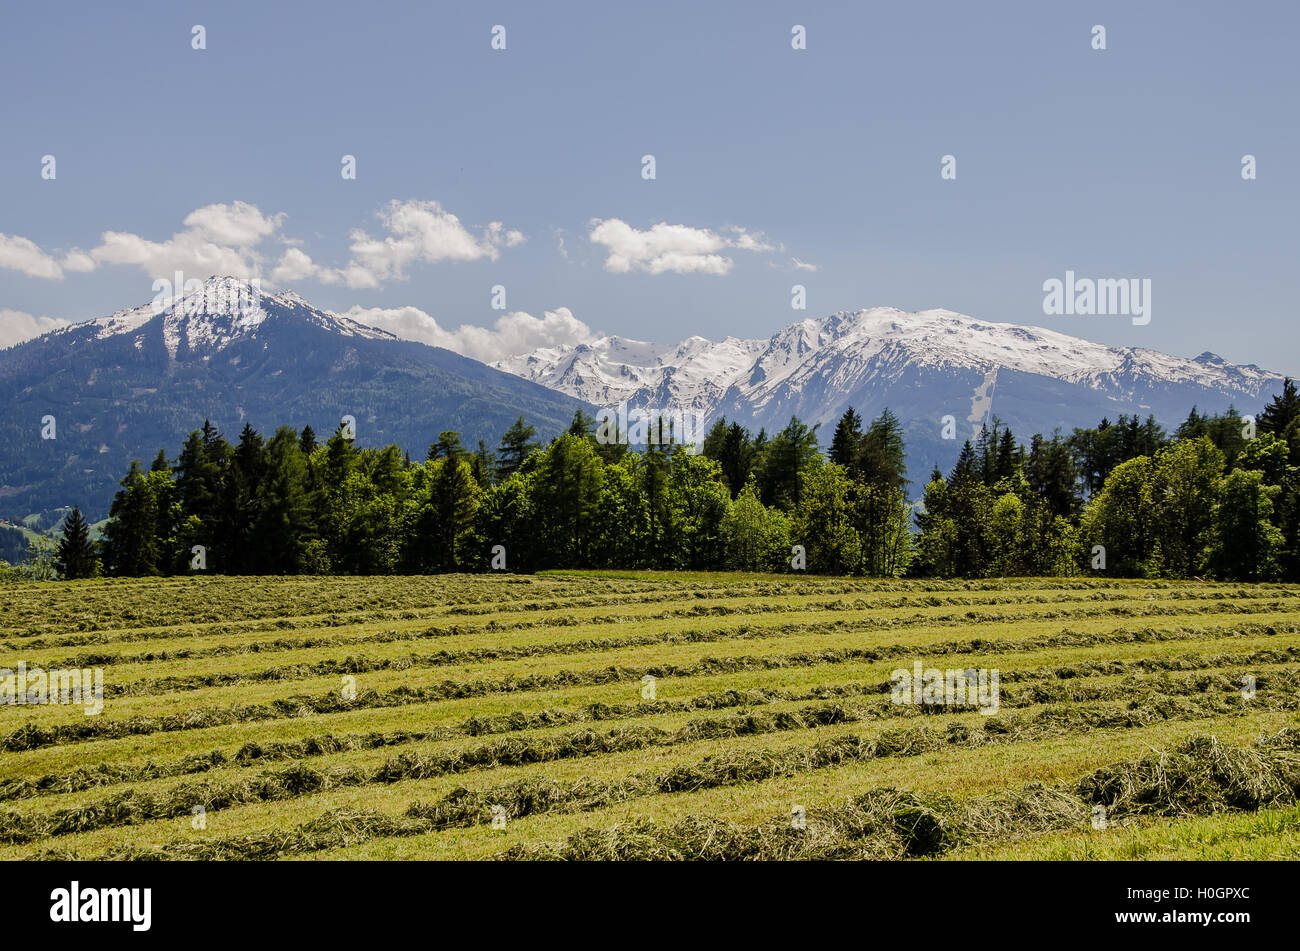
(1117, 163)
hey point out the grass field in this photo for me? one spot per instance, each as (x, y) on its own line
(460, 717)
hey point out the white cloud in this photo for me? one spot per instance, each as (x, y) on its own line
(294, 265)
(663, 248)
(16, 326)
(228, 240)
(418, 232)
(78, 260)
(23, 254)
(239, 225)
(218, 239)
(803, 265)
(514, 333)
(750, 242)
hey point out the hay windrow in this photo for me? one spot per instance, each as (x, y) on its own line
(1199, 777)
(1063, 684)
(32, 736)
(104, 657)
(464, 807)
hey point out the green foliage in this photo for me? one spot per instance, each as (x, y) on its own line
(755, 538)
(824, 522)
(1211, 501)
(1245, 544)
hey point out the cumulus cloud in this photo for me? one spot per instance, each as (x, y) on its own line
(217, 239)
(229, 239)
(17, 326)
(295, 264)
(664, 248)
(514, 333)
(23, 254)
(418, 232)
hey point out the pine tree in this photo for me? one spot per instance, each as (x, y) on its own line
(202, 476)
(281, 517)
(516, 446)
(846, 440)
(1008, 456)
(243, 488)
(75, 557)
(1052, 477)
(790, 454)
(307, 441)
(131, 543)
(966, 467)
(731, 447)
(881, 455)
(483, 464)
(1280, 412)
(448, 446)
(583, 425)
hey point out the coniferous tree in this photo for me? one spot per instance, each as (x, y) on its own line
(516, 445)
(448, 446)
(282, 518)
(734, 451)
(483, 464)
(583, 425)
(131, 543)
(881, 456)
(1052, 477)
(1281, 411)
(243, 489)
(846, 441)
(76, 556)
(790, 454)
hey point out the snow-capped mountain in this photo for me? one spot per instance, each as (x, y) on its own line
(124, 386)
(694, 374)
(208, 319)
(924, 366)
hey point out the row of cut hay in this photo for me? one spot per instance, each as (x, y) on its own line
(1062, 684)
(359, 664)
(129, 807)
(920, 596)
(103, 603)
(34, 736)
(102, 658)
(549, 619)
(1198, 777)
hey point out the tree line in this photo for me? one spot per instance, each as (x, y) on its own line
(1219, 498)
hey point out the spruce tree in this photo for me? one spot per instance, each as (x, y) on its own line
(1280, 412)
(307, 441)
(76, 552)
(448, 446)
(131, 543)
(846, 439)
(516, 446)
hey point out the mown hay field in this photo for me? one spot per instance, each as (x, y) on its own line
(510, 717)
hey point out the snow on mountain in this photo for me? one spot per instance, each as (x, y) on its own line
(208, 319)
(610, 370)
(924, 366)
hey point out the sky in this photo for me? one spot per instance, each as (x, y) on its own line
(523, 168)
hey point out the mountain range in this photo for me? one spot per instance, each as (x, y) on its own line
(123, 386)
(923, 366)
